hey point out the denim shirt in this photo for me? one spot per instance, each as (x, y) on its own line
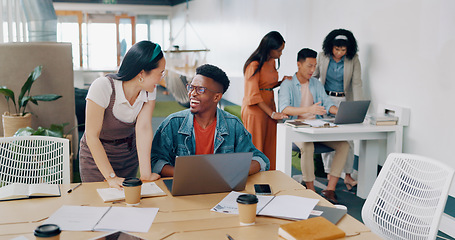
(175, 137)
(335, 75)
(290, 95)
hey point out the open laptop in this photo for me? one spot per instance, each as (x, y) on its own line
(210, 173)
(351, 112)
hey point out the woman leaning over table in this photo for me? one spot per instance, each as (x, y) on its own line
(338, 68)
(258, 107)
(118, 130)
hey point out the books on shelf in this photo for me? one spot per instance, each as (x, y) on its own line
(382, 119)
(149, 189)
(283, 206)
(22, 190)
(313, 228)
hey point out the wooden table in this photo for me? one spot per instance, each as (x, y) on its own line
(183, 217)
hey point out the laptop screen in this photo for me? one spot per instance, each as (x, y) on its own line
(352, 112)
(210, 173)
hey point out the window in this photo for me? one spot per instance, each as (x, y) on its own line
(94, 40)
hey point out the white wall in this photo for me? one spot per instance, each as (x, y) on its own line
(406, 50)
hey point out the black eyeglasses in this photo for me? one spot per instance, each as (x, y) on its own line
(199, 89)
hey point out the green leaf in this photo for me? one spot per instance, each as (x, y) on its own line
(24, 102)
(8, 94)
(56, 130)
(24, 132)
(28, 84)
(40, 131)
(53, 133)
(46, 97)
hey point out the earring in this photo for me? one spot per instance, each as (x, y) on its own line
(141, 79)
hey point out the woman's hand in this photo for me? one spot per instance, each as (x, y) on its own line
(278, 115)
(115, 182)
(284, 78)
(150, 177)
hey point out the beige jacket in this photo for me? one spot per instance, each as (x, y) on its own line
(352, 75)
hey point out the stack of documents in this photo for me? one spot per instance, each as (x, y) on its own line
(283, 206)
(382, 119)
(317, 123)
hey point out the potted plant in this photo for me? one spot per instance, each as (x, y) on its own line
(20, 118)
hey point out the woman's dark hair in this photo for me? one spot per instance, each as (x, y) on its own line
(140, 57)
(340, 38)
(271, 41)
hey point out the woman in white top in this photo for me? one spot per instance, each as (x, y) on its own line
(118, 129)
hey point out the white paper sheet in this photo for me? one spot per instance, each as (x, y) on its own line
(149, 189)
(283, 206)
(127, 219)
(289, 207)
(229, 203)
(77, 218)
(85, 218)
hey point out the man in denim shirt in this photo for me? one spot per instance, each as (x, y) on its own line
(203, 129)
(304, 97)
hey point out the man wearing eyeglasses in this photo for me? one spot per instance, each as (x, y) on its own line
(204, 128)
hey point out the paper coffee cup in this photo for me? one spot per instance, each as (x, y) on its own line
(247, 204)
(132, 188)
(47, 232)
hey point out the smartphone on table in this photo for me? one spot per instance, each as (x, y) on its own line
(262, 189)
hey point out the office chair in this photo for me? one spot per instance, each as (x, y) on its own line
(34, 159)
(408, 197)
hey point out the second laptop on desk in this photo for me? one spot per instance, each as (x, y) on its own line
(351, 112)
(211, 173)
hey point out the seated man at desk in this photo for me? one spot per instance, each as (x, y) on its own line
(204, 128)
(304, 97)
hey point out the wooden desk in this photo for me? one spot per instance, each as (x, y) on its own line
(369, 147)
(184, 217)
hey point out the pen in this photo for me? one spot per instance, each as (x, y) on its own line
(72, 189)
(229, 237)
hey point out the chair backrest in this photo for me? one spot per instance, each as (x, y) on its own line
(408, 197)
(34, 159)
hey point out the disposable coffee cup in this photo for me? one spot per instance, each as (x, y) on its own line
(132, 189)
(247, 204)
(47, 232)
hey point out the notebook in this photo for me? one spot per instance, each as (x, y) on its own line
(330, 213)
(210, 173)
(351, 112)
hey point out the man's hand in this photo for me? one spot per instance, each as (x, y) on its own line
(150, 177)
(316, 109)
(255, 167)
